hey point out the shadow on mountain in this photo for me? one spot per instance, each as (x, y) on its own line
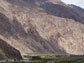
(8, 51)
(77, 8)
(61, 11)
(50, 8)
(26, 3)
(10, 28)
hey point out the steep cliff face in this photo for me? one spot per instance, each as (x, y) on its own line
(41, 26)
(8, 52)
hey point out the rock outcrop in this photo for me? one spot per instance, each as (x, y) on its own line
(8, 52)
(42, 26)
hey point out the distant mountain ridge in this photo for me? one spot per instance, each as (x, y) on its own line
(78, 9)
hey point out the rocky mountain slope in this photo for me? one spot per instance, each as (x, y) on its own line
(42, 26)
(8, 52)
(78, 9)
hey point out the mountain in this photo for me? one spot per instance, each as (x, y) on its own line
(8, 52)
(78, 9)
(42, 26)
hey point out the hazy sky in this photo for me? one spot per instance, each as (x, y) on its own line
(75, 2)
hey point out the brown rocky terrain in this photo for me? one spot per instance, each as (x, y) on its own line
(42, 26)
(8, 52)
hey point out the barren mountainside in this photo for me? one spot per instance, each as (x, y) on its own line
(42, 26)
(78, 9)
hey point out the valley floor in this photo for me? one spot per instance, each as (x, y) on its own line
(48, 59)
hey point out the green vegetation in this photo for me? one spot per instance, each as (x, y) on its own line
(45, 56)
(58, 58)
